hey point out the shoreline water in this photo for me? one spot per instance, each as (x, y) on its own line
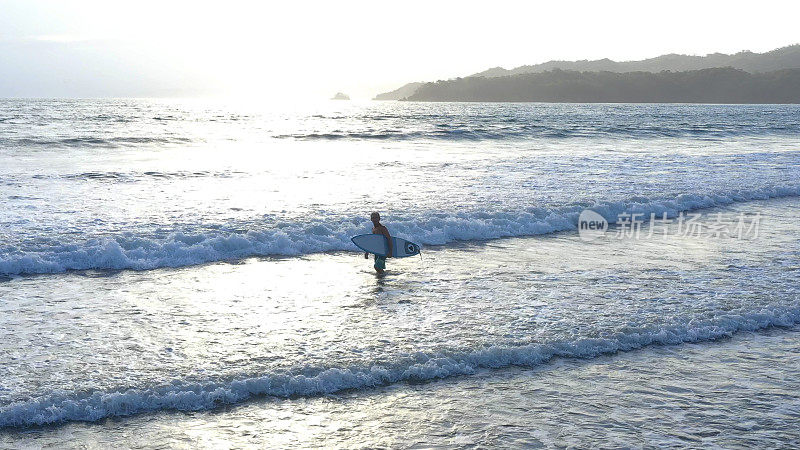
(553, 396)
(160, 317)
(415, 365)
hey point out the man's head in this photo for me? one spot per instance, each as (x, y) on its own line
(375, 218)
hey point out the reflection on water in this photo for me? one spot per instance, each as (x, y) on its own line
(531, 337)
(460, 310)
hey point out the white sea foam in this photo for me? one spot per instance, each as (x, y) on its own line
(64, 406)
(183, 249)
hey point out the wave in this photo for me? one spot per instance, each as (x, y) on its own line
(130, 251)
(91, 141)
(133, 176)
(464, 134)
(508, 130)
(195, 396)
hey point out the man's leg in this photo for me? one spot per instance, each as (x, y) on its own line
(380, 263)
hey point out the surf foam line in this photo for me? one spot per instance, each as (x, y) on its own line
(509, 130)
(182, 396)
(134, 252)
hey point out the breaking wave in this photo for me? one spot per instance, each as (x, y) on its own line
(130, 251)
(195, 396)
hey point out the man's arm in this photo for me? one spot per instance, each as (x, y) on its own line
(385, 232)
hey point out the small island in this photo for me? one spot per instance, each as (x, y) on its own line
(340, 96)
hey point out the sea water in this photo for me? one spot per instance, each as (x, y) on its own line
(180, 273)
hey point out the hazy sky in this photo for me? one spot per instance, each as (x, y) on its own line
(313, 49)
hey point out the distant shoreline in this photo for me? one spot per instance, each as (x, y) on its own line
(521, 102)
(707, 86)
(717, 78)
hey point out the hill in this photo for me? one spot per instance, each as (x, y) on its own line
(781, 58)
(399, 93)
(717, 85)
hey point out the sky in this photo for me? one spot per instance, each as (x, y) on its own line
(289, 50)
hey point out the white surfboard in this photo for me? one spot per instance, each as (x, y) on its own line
(376, 243)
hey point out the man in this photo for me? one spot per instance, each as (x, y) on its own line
(377, 228)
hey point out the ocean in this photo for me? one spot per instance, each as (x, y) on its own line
(179, 273)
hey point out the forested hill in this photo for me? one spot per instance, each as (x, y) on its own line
(399, 93)
(781, 58)
(717, 85)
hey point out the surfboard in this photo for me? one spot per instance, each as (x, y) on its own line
(376, 243)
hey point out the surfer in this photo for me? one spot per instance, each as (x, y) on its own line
(377, 228)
